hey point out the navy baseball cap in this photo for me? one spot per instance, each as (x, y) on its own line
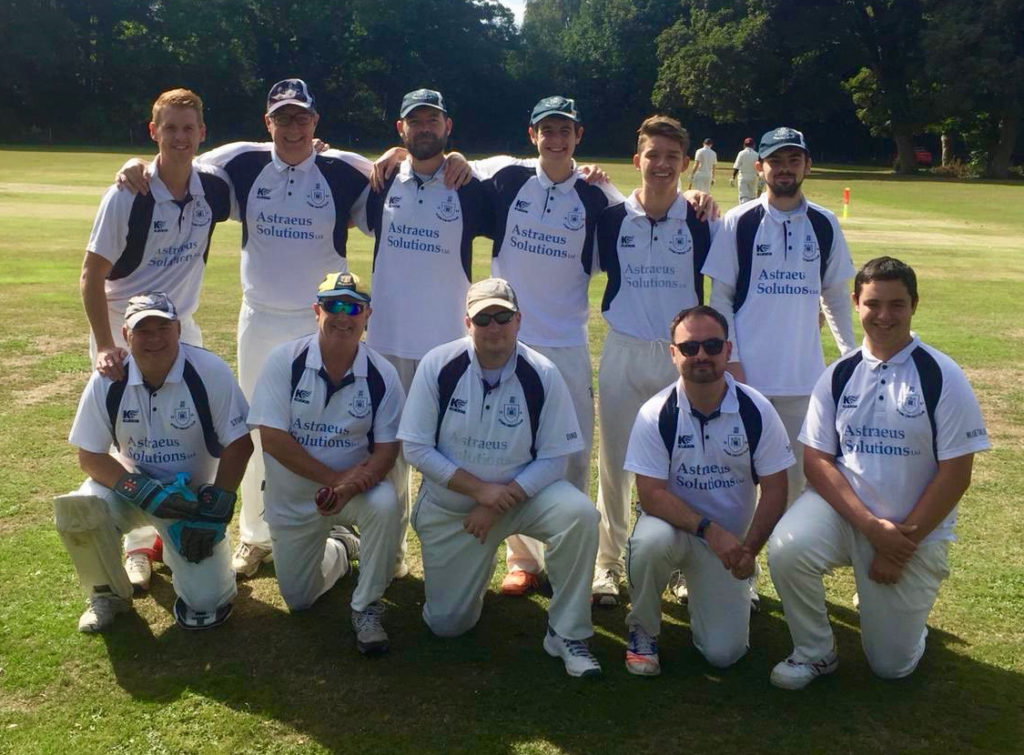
(421, 98)
(289, 92)
(335, 285)
(779, 138)
(149, 304)
(563, 107)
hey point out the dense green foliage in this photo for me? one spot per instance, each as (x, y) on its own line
(887, 74)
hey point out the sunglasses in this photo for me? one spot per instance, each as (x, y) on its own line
(287, 119)
(712, 346)
(503, 317)
(337, 306)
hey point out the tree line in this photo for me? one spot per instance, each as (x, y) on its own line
(866, 79)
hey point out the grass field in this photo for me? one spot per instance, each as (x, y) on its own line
(274, 682)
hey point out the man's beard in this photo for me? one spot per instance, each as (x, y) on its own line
(425, 146)
(786, 191)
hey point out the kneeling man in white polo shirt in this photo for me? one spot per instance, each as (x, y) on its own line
(699, 448)
(889, 444)
(327, 408)
(491, 425)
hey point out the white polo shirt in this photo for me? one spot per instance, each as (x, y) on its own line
(543, 245)
(156, 243)
(179, 427)
(706, 158)
(422, 259)
(882, 432)
(785, 286)
(709, 466)
(488, 433)
(744, 163)
(653, 267)
(294, 218)
(332, 425)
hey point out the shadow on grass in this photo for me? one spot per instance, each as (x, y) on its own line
(495, 689)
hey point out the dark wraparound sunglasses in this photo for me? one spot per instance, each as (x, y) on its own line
(503, 317)
(335, 306)
(712, 347)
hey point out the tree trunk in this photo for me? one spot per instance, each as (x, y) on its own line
(998, 165)
(947, 149)
(905, 162)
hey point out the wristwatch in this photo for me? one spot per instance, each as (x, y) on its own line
(702, 527)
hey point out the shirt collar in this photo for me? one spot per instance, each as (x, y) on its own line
(562, 187)
(406, 173)
(899, 357)
(677, 211)
(315, 359)
(730, 403)
(506, 371)
(174, 375)
(160, 191)
(780, 217)
(282, 166)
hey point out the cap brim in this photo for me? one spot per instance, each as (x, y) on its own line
(138, 317)
(281, 103)
(479, 306)
(558, 113)
(777, 147)
(338, 293)
(408, 110)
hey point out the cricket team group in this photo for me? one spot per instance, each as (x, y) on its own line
(723, 414)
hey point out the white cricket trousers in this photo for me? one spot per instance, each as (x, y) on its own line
(701, 182)
(632, 370)
(308, 563)
(457, 567)
(142, 538)
(792, 411)
(810, 540)
(573, 362)
(719, 604)
(259, 331)
(205, 586)
(747, 188)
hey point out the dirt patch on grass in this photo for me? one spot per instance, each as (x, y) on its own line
(1000, 393)
(64, 387)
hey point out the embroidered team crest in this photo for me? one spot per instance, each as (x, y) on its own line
(910, 404)
(183, 417)
(574, 218)
(735, 442)
(201, 214)
(449, 209)
(680, 242)
(511, 413)
(317, 196)
(359, 407)
(811, 251)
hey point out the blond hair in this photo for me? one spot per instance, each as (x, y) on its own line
(178, 98)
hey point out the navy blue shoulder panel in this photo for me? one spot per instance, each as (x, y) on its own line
(449, 377)
(931, 386)
(668, 420)
(139, 221)
(218, 196)
(375, 382)
(753, 426)
(202, 401)
(594, 203)
(506, 182)
(114, 395)
(346, 184)
(700, 232)
(478, 218)
(840, 377)
(375, 214)
(746, 231)
(608, 227)
(298, 367)
(243, 170)
(533, 391)
(825, 236)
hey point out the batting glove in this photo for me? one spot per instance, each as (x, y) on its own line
(216, 504)
(195, 540)
(174, 501)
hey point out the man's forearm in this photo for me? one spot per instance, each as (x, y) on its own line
(656, 500)
(102, 467)
(770, 508)
(92, 285)
(826, 479)
(290, 454)
(382, 459)
(233, 461)
(941, 495)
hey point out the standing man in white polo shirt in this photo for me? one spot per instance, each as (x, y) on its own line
(295, 206)
(889, 446)
(490, 424)
(744, 167)
(773, 265)
(154, 241)
(704, 161)
(652, 248)
(700, 448)
(327, 408)
(177, 421)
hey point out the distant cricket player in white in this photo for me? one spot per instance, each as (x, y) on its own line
(744, 170)
(704, 160)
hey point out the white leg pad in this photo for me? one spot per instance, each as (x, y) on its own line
(93, 542)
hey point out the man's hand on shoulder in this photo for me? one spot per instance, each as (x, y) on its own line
(457, 172)
(110, 362)
(385, 165)
(593, 174)
(132, 176)
(703, 204)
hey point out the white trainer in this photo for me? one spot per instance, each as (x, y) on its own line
(578, 659)
(794, 674)
(605, 588)
(371, 639)
(102, 609)
(248, 557)
(140, 570)
(642, 653)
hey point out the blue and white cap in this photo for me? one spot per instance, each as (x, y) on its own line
(563, 107)
(779, 138)
(421, 98)
(289, 92)
(149, 304)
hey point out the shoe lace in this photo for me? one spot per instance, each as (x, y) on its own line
(578, 649)
(369, 618)
(642, 643)
(138, 561)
